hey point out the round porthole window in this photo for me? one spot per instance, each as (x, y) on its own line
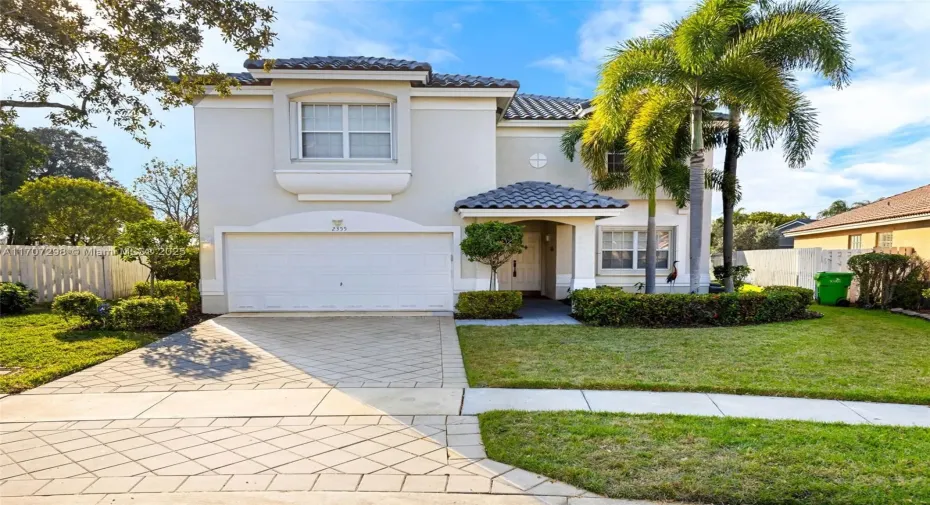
(538, 160)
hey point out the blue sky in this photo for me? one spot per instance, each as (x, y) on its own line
(874, 139)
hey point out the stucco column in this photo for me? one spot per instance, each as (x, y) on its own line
(585, 237)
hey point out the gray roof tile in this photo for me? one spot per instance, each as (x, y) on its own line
(539, 195)
(340, 63)
(543, 107)
(468, 81)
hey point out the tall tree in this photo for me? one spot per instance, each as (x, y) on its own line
(104, 56)
(694, 61)
(839, 207)
(789, 36)
(21, 155)
(71, 154)
(159, 245)
(171, 191)
(65, 211)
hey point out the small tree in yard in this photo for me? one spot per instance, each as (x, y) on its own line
(155, 244)
(492, 243)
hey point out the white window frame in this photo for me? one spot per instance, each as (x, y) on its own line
(622, 154)
(345, 131)
(881, 236)
(855, 241)
(637, 233)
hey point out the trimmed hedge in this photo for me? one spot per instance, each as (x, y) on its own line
(146, 313)
(614, 307)
(488, 304)
(83, 305)
(15, 298)
(184, 291)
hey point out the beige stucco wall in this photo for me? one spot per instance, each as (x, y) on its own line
(915, 234)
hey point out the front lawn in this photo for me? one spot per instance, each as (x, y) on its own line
(849, 354)
(40, 347)
(716, 460)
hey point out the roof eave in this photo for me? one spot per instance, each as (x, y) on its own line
(586, 212)
(862, 224)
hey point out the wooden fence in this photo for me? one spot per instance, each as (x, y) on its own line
(791, 267)
(53, 270)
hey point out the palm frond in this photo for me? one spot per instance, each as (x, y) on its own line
(800, 131)
(568, 143)
(701, 37)
(714, 179)
(800, 34)
(652, 135)
(757, 86)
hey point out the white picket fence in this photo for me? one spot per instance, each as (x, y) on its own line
(791, 267)
(53, 270)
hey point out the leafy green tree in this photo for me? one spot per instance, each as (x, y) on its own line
(773, 218)
(71, 154)
(171, 191)
(492, 243)
(789, 36)
(158, 245)
(21, 155)
(747, 236)
(65, 211)
(105, 56)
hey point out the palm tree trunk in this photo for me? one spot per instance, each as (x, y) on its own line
(729, 194)
(696, 221)
(651, 245)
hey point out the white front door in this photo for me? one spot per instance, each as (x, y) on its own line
(522, 272)
(339, 271)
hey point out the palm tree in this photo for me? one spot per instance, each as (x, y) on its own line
(649, 165)
(789, 36)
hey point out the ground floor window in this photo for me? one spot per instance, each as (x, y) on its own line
(885, 239)
(625, 249)
(855, 241)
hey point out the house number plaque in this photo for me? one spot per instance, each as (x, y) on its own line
(338, 226)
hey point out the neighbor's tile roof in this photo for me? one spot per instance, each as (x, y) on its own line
(467, 81)
(543, 107)
(909, 203)
(539, 195)
(340, 63)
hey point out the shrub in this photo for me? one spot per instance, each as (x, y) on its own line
(603, 307)
(182, 271)
(488, 304)
(740, 273)
(83, 305)
(184, 291)
(879, 274)
(492, 243)
(15, 297)
(749, 288)
(146, 313)
(806, 295)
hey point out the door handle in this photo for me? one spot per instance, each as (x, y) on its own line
(514, 268)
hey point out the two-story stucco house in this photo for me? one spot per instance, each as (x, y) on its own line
(345, 184)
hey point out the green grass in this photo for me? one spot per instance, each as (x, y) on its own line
(849, 354)
(42, 347)
(716, 460)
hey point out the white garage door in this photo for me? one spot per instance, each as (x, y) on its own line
(339, 271)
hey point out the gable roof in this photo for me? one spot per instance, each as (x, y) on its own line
(794, 223)
(911, 203)
(539, 195)
(543, 107)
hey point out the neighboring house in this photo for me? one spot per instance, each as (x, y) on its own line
(902, 220)
(788, 242)
(345, 184)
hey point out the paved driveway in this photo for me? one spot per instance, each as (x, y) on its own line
(262, 404)
(283, 352)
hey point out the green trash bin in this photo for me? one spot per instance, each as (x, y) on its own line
(832, 287)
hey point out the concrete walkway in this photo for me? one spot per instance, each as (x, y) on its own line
(535, 311)
(701, 404)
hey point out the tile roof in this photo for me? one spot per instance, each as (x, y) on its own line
(246, 79)
(467, 81)
(539, 195)
(341, 63)
(543, 107)
(909, 203)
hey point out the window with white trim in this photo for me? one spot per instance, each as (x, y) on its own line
(885, 239)
(344, 131)
(626, 249)
(615, 163)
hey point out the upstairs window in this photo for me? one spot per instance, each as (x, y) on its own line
(346, 131)
(615, 164)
